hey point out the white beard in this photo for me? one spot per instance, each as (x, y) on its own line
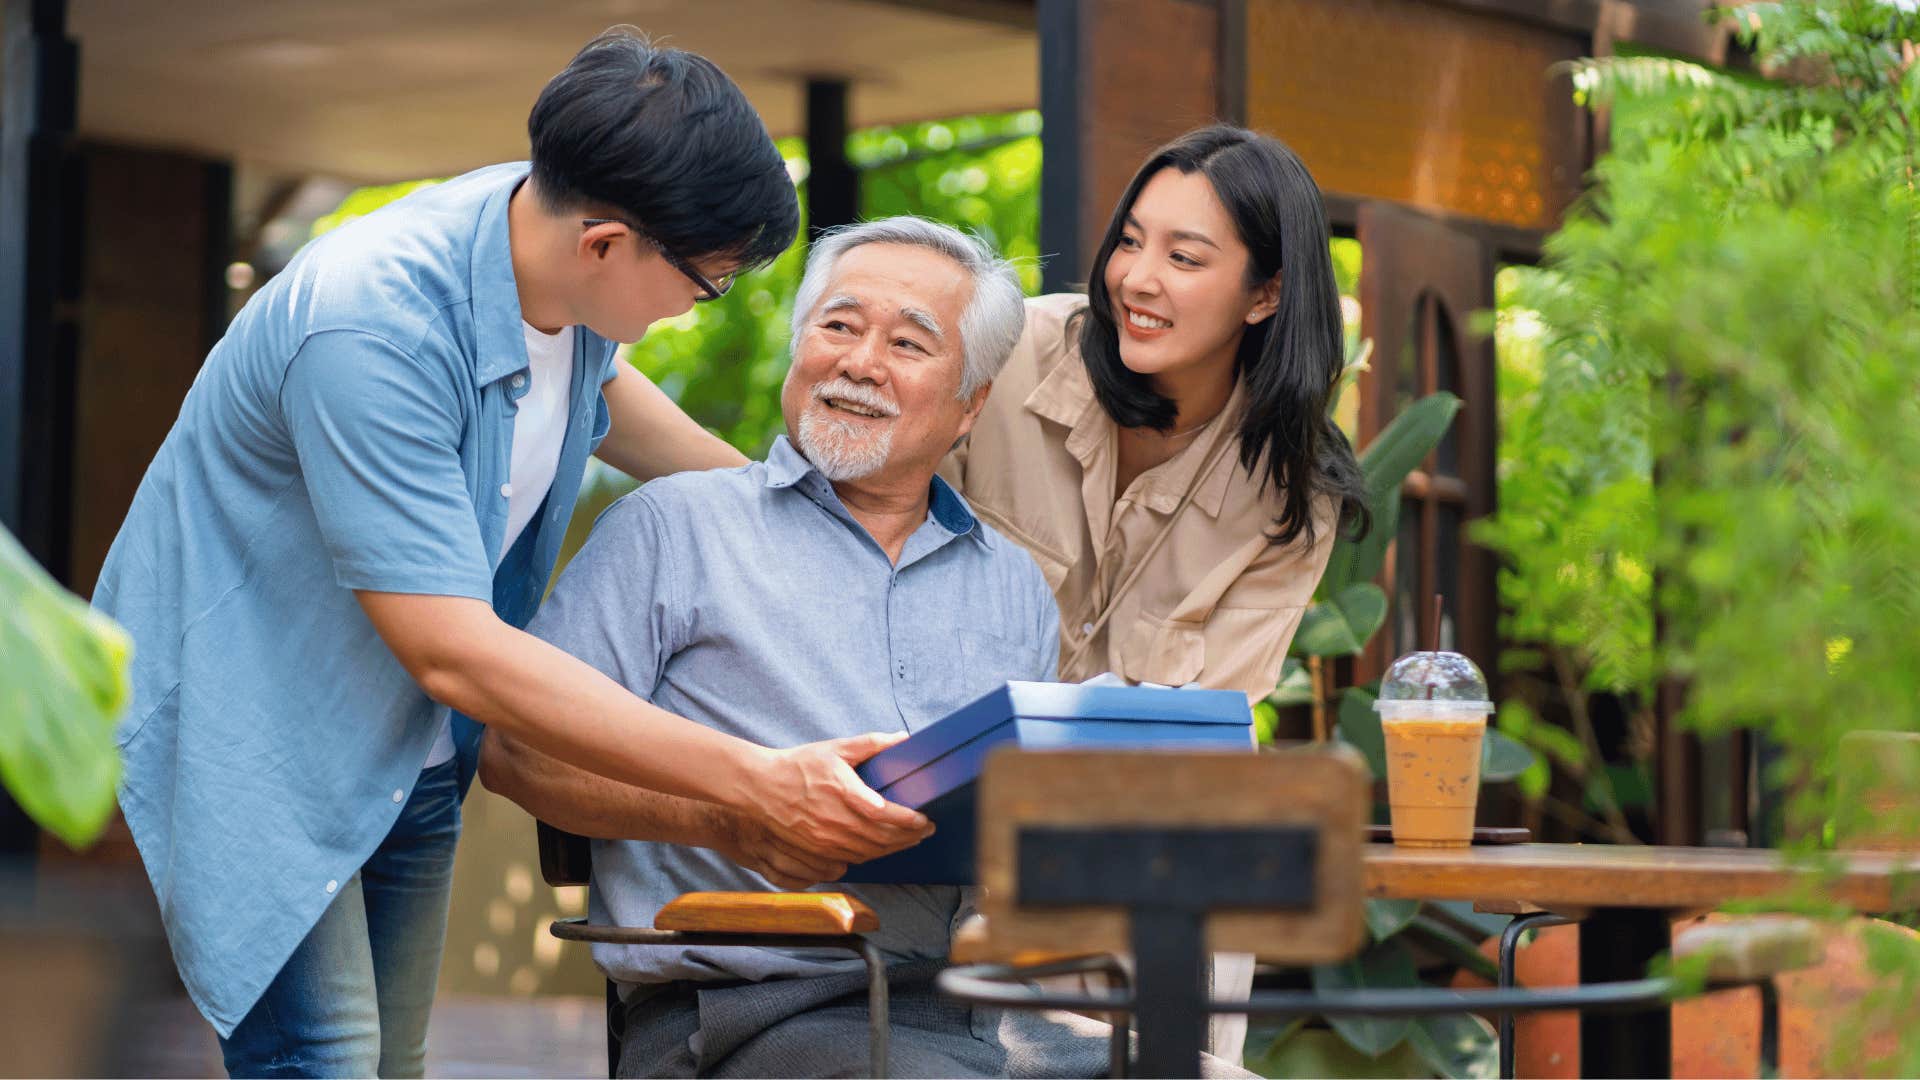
(840, 449)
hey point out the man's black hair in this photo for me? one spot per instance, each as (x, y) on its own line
(663, 137)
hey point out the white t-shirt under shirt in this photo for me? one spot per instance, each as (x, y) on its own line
(539, 427)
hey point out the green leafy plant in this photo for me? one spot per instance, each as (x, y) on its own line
(63, 685)
(1349, 607)
(1723, 428)
(1347, 610)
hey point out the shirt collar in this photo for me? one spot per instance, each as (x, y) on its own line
(501, 348)
(1164, 486)
(1065, 394)
(787, 467)
(1066, 397)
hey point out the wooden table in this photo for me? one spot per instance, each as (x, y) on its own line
(1629, 895)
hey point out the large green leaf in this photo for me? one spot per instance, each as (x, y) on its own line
(1457, 1047)
(1296, 685)
(1502, 758)
(1393, 454)
(63, 684)
(1386, 965)
(1341, 625)
(1360, 728)
(1453, 946)
(1386, 918)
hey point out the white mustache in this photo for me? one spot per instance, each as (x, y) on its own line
(846, 389)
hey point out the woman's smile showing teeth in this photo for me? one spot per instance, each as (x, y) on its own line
(1140, 324)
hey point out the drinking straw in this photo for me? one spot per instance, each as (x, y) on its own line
(1433, 635)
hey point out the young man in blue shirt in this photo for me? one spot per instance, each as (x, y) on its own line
(328, 565)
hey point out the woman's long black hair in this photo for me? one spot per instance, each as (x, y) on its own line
(1290, 361)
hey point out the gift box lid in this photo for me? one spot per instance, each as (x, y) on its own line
(1051, 701)
(934, 771)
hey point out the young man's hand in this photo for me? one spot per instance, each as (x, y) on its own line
(810, 804)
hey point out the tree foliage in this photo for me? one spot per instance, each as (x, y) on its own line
(1721, 424)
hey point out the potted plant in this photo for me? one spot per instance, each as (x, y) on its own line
(1404, 935)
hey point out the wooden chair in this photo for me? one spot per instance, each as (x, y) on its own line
(1172, 856)
(762, 920)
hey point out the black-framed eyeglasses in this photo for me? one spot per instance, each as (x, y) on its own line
(709, 288)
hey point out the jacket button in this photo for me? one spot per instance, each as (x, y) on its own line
(519, 381)
(506, 491)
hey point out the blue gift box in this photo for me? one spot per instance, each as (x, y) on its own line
(934, 770)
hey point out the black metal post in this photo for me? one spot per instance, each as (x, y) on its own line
(833, 184)
(1170, 980)
(1617, 944)
(1769, 1027)
(1062, 253)
(1168, 880)
(39, 270)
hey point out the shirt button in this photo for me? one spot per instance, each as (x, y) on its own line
(332, 885)
(519, 381)
(399, 795)
(1086, 628)
(506, 491)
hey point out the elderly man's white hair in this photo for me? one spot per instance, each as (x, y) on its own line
(989, 327)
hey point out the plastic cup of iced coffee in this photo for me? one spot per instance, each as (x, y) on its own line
(1433, 711)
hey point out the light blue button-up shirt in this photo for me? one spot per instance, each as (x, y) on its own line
(750, 600)
(352, 430)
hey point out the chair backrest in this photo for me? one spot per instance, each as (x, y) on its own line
(565, 858)
(1266, 846)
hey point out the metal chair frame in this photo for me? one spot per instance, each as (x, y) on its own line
(566, 859)
(1004, 985)
(582, 930)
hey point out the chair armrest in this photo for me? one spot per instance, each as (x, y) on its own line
(824, 914)
(1752, 949)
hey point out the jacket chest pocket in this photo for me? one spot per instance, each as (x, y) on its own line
(1165, 651)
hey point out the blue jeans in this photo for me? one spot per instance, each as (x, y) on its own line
(354, 997)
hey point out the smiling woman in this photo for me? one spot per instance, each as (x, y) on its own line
(1161, 446)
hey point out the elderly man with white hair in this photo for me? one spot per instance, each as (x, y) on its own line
(838, 587)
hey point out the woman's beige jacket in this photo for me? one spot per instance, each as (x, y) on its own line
(1216, 602)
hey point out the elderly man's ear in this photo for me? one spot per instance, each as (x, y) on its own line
(974, 404)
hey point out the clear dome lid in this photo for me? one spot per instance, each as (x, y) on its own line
(1437, 681)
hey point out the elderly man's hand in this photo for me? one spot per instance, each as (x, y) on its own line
(756, 848)
(809, 800)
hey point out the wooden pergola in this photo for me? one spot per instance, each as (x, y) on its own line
(1443, 131)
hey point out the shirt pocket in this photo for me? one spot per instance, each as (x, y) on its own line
(1170, 652)
(982, 661)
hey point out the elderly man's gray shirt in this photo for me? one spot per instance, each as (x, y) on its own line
(751, 601)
